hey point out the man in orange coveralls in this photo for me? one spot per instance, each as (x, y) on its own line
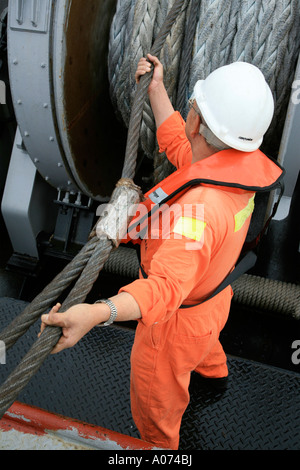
(201, 248)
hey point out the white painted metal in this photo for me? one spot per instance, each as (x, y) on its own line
(17, 440)
(289, 155)
(38, 33)
(30, 67)
(41, 42)
(27, 202)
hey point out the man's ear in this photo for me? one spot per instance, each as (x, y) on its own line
(195, 125)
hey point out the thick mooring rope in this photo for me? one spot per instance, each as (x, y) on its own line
(47, 297)
(263, 32)
(254, 292)
(91, 259)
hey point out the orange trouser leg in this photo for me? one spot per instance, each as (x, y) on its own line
(158, 419)
(215, 363)
(158, 397)
(160, 377)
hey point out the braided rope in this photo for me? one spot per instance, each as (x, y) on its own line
(242, 47)
(47, 297)
(267, 295)
(162, 166)
(141, 93)
(186, 56)
(147, 18)
(212, 40)
(170, 56)
(143, 20)
(121, 25)
(263, 32)
(41, 349)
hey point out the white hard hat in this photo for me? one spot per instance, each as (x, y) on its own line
(237, 105)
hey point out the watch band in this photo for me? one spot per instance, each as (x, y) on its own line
(113, 311)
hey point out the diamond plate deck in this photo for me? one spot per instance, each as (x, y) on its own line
(90, 382)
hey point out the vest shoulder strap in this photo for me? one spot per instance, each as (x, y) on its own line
(246, 263)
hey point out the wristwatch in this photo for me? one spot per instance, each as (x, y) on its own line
(113, 311)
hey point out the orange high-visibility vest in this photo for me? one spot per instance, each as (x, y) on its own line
(252, 171)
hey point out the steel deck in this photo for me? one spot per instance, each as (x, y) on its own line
(90, 382)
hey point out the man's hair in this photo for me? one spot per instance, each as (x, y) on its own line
(210, 138)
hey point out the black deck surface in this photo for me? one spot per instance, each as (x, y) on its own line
(259, 411)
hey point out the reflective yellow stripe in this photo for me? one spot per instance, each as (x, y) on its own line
(243, 215)
(190, 228)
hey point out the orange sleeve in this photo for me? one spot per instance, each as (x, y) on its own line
(172, 139)
(173, 273)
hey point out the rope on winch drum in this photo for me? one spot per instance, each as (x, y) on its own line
(265, 33)
(92, 258)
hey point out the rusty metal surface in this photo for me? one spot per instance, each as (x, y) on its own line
(29, 428)
(30, 58)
